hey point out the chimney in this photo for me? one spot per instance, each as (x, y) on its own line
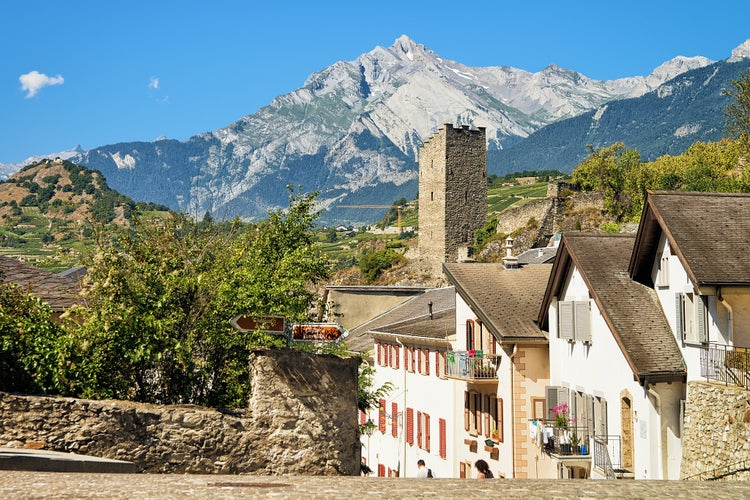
(509, 261)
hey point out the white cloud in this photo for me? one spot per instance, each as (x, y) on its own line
(34, 81)
(153, 82)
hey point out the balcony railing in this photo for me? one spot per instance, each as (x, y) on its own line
(726, 363)
(563, 441)
(472, 365)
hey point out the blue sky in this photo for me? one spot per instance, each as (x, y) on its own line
(106, 71)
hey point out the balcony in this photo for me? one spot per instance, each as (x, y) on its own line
(474, 366)
(726, 363)
(567, 442)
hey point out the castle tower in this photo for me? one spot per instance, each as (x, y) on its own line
(452, 193)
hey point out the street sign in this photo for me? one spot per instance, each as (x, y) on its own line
(275, 325)
(318, 332)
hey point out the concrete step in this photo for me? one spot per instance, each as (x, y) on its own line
(54, 461)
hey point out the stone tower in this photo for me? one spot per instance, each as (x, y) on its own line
(452, 193)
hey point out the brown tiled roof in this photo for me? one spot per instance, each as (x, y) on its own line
(709, 232)
(404, 319)
(58, 291)
(506, 300)
(631, 310)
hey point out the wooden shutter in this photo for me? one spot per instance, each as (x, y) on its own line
(426, 432)
(700, 312)
(679, 301)
(443, 440)
(419, 429)
(381, 470)
(380, 354)
(555, 396)
(469, 335)
(583, 321)
(426, 361)
(566, 325)
(362, 418)
(394, 419)
(486, 415)
(381, 416)
(419, 360)
(478, 412)
(467, 411)
(410, 425)
(500, 419)
(589, 415)
(398, 357)
(437, 363)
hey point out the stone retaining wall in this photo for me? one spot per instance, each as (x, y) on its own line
(716, 430)
(301, 419)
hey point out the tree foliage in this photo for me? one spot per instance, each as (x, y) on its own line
(161, 296)
(738, 113)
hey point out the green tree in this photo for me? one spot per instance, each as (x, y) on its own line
(738, 113)
(161, 296)
(610, 170)
(28, 342)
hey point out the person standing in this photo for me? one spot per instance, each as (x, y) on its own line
(483, 470)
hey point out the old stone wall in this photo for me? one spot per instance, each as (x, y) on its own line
(716, 430)
(301, 419)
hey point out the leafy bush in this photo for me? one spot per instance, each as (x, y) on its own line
(373, 262)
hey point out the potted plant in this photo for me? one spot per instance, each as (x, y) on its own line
(575, 443)
(495, 434)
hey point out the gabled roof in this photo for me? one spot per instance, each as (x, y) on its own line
(58, 291)
(543, 255)
(506, 300)
(411, 317)
(709, 232)
(630, 309)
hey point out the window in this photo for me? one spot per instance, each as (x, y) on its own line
(410, 425)
(426, 362)
(469, 335)
(600, 417)
(574, 320)
(538, 408)
(499, 418)
(413, 360)
(691, 317)
(443, 440)
(397, 357)
(381, 416)
(437, 363)
(394, 419)
(420, 424)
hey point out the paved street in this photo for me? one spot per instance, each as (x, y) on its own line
(21, 484)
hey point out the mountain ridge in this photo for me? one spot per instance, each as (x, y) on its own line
(353, 130)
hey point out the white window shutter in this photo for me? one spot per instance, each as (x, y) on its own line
(551, 392)
(678, 304)
(583, 321)
(700, 311)
(566, 322)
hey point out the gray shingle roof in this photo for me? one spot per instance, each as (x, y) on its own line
(58, 291)
(506, 300)
(709, 232)
(631, 309)
(410, 318)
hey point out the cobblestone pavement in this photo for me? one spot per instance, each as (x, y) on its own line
(22, 484)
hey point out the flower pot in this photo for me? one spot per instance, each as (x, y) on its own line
(565, 449)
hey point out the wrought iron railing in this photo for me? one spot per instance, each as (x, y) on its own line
(568, 440)
(602, 459)
(473, 365)
(726, 363)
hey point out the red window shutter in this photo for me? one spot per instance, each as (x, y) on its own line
(443, 443)
(394, 419)
(381, 416)
(486, 413)
(380, 354)
(467, 410)
(398, 357)
(500, 419)
(427, 361)
(419, 361)
(419, 429)
(410, 425)
(362, 418)
(381, 470)
(426, 432)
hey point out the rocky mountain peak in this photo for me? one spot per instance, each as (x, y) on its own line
(740, 52)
